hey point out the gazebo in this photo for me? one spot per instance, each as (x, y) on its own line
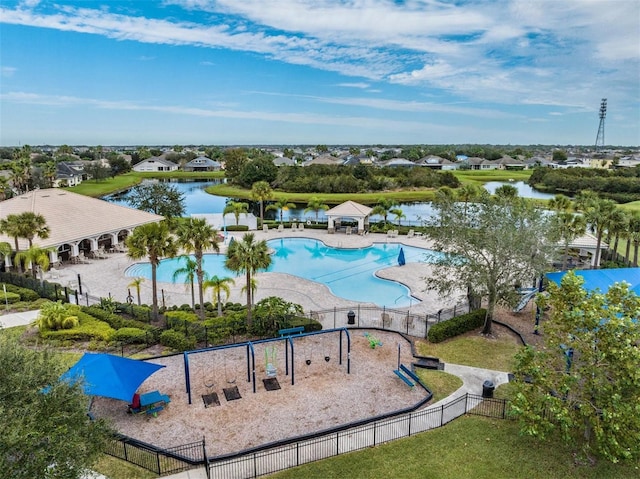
(349, 209)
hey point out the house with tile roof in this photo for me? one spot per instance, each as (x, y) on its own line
(155, 163)
(202, 163)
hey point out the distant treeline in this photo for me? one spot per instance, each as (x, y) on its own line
(621, 185)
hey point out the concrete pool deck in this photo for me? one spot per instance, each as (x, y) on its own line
(104, 277)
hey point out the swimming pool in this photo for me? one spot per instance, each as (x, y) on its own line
(348, 273)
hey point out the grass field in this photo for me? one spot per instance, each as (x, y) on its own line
(473, 176)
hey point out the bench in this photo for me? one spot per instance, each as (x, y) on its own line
(404, 378)
(290, 331)
(409, 373)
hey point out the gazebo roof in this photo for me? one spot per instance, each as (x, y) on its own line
(349, 209)
(72, 217)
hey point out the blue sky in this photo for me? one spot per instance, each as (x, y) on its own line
(223, 72)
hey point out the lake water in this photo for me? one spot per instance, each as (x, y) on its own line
(197, 201)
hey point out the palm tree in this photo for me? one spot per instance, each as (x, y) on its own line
(634, 234)
(506, 192)
(398, 213)
(561, 203)
(37, 257)
(261, 191)
(154, 241)
(136, 284)
(569, 227)
(189, 271)
(598, 216)
(618, 226)
(5, 250)
(219, 286)
(282, 204)
(50, 171)
(316, 205)
(383, 208)
(11, 227)
(248, 256)
(196, 236)
(236, 207)
(32, 225)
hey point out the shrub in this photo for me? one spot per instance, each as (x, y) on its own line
(10, 297)
(456, 326)
(310, 325)
(87, 329)
(25, 293)
(177, 340)
(130, 335)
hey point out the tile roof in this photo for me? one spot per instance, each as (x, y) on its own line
(73, 217)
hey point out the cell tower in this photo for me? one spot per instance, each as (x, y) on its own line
(603, 114)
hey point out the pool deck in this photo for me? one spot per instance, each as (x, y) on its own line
(104, 277)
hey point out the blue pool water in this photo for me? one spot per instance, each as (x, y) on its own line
(348, 273)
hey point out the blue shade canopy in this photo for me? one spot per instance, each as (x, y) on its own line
(401, 260)
(602, 279)
(110, 376)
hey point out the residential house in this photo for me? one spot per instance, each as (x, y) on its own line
(67, 175)
(476, 163)
(437, 163)
(202, 163)
(508, 163)
(155, 163)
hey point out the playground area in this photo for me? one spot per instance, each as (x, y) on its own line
(231, 417)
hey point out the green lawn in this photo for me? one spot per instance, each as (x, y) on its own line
(633, 206)
(441, 384)
(115, 468)
(469, 447)
(474, 350)
(468, 176)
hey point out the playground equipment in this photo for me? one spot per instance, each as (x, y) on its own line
(270, 361)
(373, 341)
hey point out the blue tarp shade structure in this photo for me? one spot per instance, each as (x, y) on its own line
(401, 260)
(110, 376)
(602, 279)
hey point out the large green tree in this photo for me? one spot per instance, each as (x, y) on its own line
(219, 286)
(247, 256)
(154, 242)
(43, 434)
(489, 247)
(585, 383)
(159, 198)
(197, 236)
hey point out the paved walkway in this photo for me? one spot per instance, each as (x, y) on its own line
(18, 319)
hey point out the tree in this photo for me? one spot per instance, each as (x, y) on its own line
(136, 283)
(26, 225)
(599, 214)
(37, 257)
(560, 203)
(316, 205)
(559, 156)
(584, 383)
(274, 313)
(152, 240)
(248, 256)
(398, 213)
(568, 226)
(634, 234)
(261, 191)
(49, 172)
(196, 236)
(43, 434)
(97, 171)
(258, 169)
(383, 208)
(189, 272)
(506, 191)
(234, 160)
(159, 198)
(490, 247)
(55, 316)
(237, 208)
(281, 205)
(219, 286)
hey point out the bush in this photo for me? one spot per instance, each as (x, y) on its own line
(177, 340)
(87, 329)
(10, 297)
(130, 335)
(310, 325)
(456, 326)
(25, 293)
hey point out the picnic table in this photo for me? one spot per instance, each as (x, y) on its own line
(153, 402)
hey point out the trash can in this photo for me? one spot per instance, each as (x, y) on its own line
(487, 389)
(351, 317)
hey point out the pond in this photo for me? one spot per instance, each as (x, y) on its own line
(197, 201)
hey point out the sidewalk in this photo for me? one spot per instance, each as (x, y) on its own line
(18, 319)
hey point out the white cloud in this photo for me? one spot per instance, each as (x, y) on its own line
(8, 71)
(354, 85)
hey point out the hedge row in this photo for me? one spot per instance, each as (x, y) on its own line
(9, 297)
(25, 293)
(457, 326)
(89, 328)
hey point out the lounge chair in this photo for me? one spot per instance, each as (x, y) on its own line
(348, 231)
(294, 226)
(280, 228)
(300, 226)
(265, 228)
(410, 234)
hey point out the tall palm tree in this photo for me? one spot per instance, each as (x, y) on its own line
(32, 225)
(136, 283)
(560, 203)
(153, 241)
(5, 250)
(37, 257)
(189, 272)
(598, 216)
(618, 226)
(11, 227)
(261, 191)
(316, 205)
(634, 234)
(383, 208)
(49, 172)
(237, 208)
(197, 236)
(506, 192)
(248, 256)
(569, 227)
(398, 213)
(219, 286)
(282, 205)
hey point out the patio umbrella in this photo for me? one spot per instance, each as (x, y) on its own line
(401, 260)
(110, 376)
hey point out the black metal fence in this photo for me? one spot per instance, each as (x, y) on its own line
(159, 461)
(245, 465)
(401, 321)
